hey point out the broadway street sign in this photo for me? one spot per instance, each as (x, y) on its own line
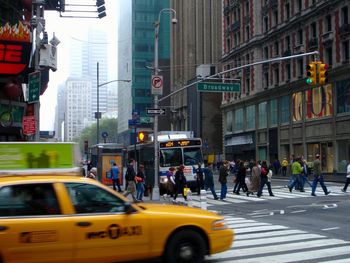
(155, 111)
(218, 87)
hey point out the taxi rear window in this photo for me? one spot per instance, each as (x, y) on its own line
(28, 200)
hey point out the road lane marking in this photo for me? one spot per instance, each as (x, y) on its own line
(298, 211)
(330, 228)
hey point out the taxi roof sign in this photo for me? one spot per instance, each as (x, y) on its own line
(38, 156)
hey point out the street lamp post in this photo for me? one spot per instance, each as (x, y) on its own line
(98, 113)
(155, 128)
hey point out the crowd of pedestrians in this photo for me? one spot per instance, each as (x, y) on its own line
(249, 176)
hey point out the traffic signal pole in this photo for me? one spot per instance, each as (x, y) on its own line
(215, 76)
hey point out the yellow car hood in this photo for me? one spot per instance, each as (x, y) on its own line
(175, 209)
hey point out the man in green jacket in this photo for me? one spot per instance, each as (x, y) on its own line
(296, 172)
(318, 177)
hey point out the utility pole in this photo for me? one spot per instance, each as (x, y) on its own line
(38, 23)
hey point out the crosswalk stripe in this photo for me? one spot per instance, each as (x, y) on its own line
(258, 228)
(243, 236)
(301, 256)
(260, 250)
(262, 242)
(243, 225)
(272, 240)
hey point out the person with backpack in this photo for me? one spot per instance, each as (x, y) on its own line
(115, 177)
(264, 179)
(130, 181)
(180, 182)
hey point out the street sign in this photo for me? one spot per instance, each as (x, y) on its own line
(218, 87)
(29, 125)
(155, 111)
(133, 123)
(157, 85)
(146, 120)
(34, 86)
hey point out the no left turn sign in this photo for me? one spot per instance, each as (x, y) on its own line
(157, 85)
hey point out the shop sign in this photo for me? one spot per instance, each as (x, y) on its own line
(29, 125)
(15, 49)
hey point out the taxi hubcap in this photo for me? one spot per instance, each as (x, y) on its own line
(186, 252)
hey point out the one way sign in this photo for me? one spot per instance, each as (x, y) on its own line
(155, 111)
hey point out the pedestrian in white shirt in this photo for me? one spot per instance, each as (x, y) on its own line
(347, 182)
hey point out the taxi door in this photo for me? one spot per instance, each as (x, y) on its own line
(34, 239)
(102, 229)
(33, 227)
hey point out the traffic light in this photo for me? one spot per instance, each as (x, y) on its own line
(322, 74)
(142, 136)
(311, 73)
(101, 9)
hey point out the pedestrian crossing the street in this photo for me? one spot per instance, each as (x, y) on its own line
(279, 193)
(263, 242)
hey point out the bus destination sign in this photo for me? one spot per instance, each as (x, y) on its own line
(180, 143)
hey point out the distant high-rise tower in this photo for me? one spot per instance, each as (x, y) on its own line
(135, 61)
(77, 107)
(84, 58)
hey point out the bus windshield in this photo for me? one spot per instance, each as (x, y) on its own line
(192, 155)
(170, 157)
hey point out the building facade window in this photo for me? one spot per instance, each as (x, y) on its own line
(288, 72)
(345, 15)
(273, 113)
(297, 106)
(285, 113)
(266, 24)
(262, 116)
(328, 23)
(275, 17)
(277, 76)
(345, 51)
(343, 96)
(300, 71)
(319, 102)
(238, 120)
(300, 37)
(276, 48)
(229, 121)
(287, 9)
(287, 42)
(329, 56)
(299, 5)
(250, 113)
(313, 30)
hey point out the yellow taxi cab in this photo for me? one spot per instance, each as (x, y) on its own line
(54, 215)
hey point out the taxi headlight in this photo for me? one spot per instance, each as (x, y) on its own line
(219, 225)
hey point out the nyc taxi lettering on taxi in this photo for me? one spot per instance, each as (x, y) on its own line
(115, 231)
(38, 236)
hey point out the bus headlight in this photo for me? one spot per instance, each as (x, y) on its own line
(219, 225)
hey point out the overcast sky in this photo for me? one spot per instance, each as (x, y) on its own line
(67, 30)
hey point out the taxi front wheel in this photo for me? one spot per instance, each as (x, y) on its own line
(185, 246)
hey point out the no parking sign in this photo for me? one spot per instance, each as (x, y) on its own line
(157, 85)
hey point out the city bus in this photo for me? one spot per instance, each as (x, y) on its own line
(175, 148)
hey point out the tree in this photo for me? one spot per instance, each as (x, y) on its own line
(109, 125)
